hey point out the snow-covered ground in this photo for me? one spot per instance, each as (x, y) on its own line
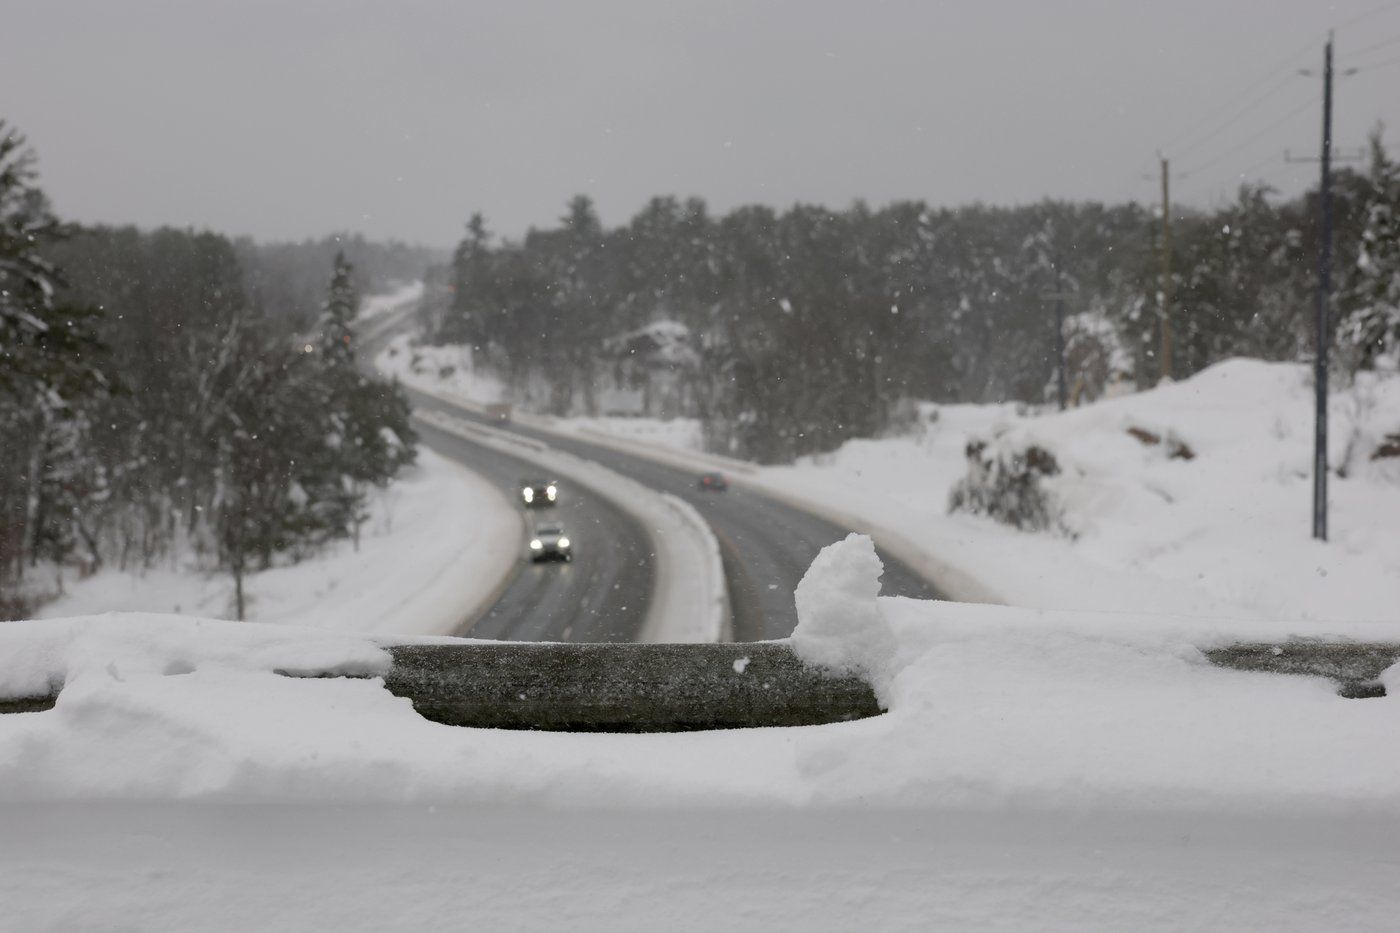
(1035, 770)
(374, 306)
(443, 369)
(437, 545)
(1225, 533)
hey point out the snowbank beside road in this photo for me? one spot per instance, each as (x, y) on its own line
(375, 306)
(989, 707)
(436, 547)
(1034, 769)
(1223, 533)
(439, 369)
(1226, 532)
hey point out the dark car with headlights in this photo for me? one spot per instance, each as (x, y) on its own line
(538, 493)
(549, 542)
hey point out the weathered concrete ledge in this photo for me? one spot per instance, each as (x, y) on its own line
(609, 687)
(1355, 666)
(623, 688)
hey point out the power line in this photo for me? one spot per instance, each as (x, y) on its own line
(1230, 121)
(1269, 74)
(1383, 8)
(1374, 65)
(1373, 46)
(1200, 167)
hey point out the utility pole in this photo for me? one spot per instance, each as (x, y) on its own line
(1321, 325)
(1061, 388)
(1166, 288)
(1324, 292)
(1061, 376)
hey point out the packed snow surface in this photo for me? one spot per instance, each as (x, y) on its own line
(1035, 770)
(446, 369)
(439, 541)
(374, 306)
(840, 626)
(989, 707)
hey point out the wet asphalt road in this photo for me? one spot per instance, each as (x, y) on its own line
(767, 546)
(601, 596)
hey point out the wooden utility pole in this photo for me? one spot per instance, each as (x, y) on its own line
(1166, 287)
(1324, 294)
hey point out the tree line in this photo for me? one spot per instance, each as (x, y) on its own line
(153, 405)
(814, 325)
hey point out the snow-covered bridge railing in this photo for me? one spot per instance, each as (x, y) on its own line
(624, 687)
(609, 687)
(1355, 666)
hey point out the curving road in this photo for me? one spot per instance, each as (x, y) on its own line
(767, 546)
(602, 596)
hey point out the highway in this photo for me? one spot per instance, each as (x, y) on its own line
(602, 596)
(767, 546)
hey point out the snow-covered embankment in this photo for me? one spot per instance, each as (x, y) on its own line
(435, 549)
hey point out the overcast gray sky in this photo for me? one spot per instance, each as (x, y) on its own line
(288, 119)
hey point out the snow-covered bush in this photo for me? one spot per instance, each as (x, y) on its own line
(1004, 481)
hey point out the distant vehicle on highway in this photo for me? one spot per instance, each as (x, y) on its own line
(550, 543)
(713, 482)
(498, 412)
(538, 493)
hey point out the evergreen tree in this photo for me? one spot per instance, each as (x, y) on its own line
(337, 322)
(48, 361)
(368, 433)
(1370, 332)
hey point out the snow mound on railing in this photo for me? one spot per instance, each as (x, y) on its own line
(839, 624)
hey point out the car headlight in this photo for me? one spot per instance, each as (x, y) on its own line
(551, 492)
(535, 544)
(563, 542)
(528, 494)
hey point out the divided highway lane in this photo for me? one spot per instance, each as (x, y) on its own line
(767, 546)
(602, 596)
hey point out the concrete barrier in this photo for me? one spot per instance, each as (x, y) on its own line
(1354, 666)
(623, 687)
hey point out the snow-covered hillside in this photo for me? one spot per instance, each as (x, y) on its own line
(431, 551)
(1225, 532)
(1191, 498)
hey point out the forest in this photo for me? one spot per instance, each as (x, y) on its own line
(170, 392)
(809, 326)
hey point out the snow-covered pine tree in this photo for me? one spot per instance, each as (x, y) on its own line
(337, 323)
(369, 436)
(47, 359)
(1369, 335)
